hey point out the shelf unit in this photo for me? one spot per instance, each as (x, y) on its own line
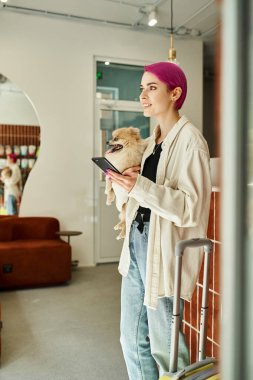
(17, 136)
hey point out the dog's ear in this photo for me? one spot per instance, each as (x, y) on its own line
(134, 131)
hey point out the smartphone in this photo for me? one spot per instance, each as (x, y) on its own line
(104, 164)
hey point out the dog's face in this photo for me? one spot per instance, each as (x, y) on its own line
(122, 138)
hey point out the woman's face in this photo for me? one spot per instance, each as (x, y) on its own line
(155, 96)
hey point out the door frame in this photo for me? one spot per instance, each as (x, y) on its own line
(117, 105)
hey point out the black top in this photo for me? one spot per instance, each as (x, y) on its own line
(149, 171)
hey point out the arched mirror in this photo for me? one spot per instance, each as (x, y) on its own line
(19, 144)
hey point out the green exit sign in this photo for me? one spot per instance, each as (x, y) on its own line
(99, 75)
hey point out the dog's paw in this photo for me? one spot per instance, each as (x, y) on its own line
(119, 226)
(109, 199)
(120, 236)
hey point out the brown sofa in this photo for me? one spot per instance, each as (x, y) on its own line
(31, 254)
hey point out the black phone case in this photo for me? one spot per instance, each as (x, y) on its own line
(104, 164)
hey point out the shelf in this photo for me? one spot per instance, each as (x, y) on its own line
(20, 157)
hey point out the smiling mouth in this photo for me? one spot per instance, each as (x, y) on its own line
(114, 148)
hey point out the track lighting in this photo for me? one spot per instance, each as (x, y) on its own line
(152, 18)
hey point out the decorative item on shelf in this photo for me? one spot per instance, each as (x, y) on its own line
(18, 162)
(24, 163)
(1, 150)
(24, 149)
(8, 149)
(31, 162)
(31, 150)
(16, 150)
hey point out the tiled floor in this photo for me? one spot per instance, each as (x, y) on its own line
(68, 332)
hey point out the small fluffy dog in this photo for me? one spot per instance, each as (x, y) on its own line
(126, 150)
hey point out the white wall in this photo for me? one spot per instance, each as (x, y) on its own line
(15, 107)
(53, 62)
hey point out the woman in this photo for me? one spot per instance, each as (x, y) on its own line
(12, 185)
(168, 201)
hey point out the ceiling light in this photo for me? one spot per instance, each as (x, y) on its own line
(152, 18)
(4, 1)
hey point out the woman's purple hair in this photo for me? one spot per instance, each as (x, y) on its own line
(172, 75)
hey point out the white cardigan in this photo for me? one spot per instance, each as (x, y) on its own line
(12, 185)
(179, 203)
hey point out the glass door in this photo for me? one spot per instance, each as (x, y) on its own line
(111, 114)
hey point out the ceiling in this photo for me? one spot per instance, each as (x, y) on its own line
(196, 19)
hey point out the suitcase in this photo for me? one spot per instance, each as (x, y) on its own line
(205, 368)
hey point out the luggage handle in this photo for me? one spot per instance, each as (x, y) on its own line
(191, 243)
(179, 250)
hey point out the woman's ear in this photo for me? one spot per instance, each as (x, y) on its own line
(176, 93)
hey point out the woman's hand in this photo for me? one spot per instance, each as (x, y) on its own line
(127, 179)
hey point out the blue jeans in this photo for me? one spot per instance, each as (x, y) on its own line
(145, 333)
(11, 205)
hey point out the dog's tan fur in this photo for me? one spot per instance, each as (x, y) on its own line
(130, 155)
